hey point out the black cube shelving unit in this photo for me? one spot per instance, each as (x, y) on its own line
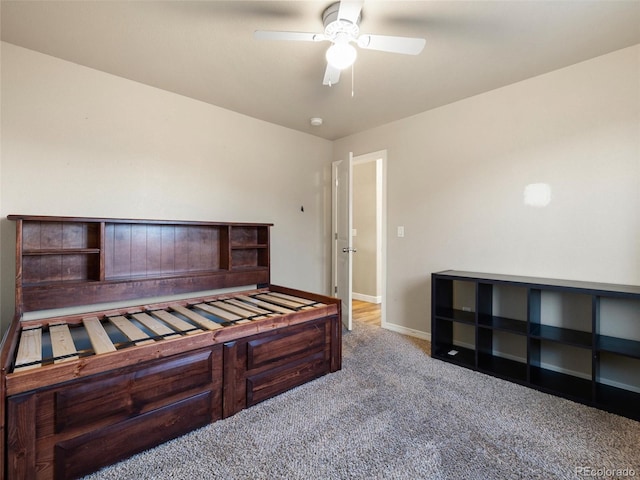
(578, 340)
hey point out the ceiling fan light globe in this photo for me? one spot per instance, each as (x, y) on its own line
(341, 55)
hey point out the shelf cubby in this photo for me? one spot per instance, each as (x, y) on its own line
(618, 371)
(513, 370)
(619, 325)
(42, 236)
(564, 309)
(60, 252)
(562, 335)
(503, 353)
(454, 322)
(146, 250)
(248, 246)
(560, 357)
(579, 340)
(456, 354)
(561, 384)
(60, 267)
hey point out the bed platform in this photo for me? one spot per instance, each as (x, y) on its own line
(86, 389)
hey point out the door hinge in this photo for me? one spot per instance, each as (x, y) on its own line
(335, 289)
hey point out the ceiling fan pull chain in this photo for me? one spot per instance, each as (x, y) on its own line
(353, 67)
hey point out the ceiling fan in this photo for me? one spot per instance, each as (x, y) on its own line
(341, 27)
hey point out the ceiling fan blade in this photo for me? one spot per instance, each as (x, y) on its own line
(350, 11)
(386, 43)
(331, 75)
(298, 36)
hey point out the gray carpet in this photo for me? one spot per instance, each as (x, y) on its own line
(395, 413)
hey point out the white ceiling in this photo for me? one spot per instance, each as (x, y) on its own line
(205, 50)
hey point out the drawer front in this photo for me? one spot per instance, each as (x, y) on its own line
(278, 380)
(110, 398)
(94, 450)
(304, 339)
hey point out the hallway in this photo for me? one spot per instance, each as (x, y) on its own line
(369, 313)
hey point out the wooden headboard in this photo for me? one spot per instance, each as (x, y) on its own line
(70, 261)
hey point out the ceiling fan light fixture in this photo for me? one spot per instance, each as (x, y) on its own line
(341, 55)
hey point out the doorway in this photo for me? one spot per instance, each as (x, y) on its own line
(368, 235)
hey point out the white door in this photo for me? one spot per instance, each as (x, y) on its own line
(342, 240)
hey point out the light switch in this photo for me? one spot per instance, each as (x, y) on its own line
(354, 232)
(400, 231)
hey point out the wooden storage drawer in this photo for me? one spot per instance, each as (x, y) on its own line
(285, 344)
(84, 454)
(265, 365)
(116, 398)
(55, 432)
(275, 381)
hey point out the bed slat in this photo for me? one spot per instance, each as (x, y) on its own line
(268, 306)
(300, 300)
(155, 326)
(62, 343)
(282, 302)
(199, 319)
(242, 311)
(175, 322)
(251, 308)
(99, 339)
(29, 350)
(218, 312)
(132, 332)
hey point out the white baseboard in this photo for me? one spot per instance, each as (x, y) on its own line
(407, 331)
(366, 298)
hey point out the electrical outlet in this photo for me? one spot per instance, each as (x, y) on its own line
(466, 309)
(400, 231)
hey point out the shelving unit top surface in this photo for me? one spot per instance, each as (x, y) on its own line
(538, 282)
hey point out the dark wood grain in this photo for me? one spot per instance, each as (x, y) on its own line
(55, 417)
(77, 456)
(21, 437)
(81, 260)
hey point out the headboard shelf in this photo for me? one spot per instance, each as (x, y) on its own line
(69, 261)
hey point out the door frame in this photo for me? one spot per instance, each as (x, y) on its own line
(380, 157)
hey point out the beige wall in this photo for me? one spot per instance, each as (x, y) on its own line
(80, 142)
(456, 177)
(76, 141)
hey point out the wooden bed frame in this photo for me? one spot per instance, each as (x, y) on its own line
(122, 379)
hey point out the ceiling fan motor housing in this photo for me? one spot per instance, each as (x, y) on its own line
(339, 29)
